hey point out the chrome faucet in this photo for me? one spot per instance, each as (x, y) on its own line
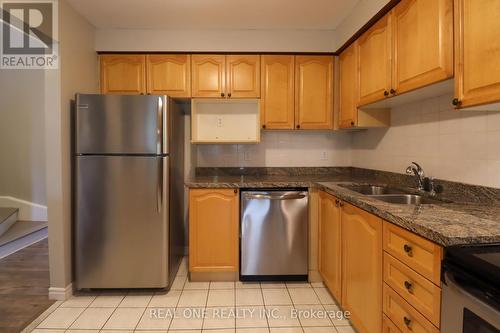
(417, 170)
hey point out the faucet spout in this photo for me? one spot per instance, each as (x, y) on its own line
(417, 170)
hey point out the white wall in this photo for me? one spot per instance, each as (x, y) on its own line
(22, 148)
(216, 40)
(453, 145)
(77, 73)
(281, 149)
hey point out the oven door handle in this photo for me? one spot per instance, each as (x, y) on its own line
(293, 196)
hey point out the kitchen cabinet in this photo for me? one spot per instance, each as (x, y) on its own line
(348, 91)
(123, 74)
(208, 75)
(220, 76)
(423, 43)
(213, 230)
(329, 244)
(314, 92)
(169, 74)
(388, 326)
(362, 268)
(277, 96)
(477, 54)
(374, 57)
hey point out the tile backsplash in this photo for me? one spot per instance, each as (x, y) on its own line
(281, 149)
(461, 146)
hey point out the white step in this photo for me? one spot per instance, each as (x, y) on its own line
(8, 216)
(21, 235)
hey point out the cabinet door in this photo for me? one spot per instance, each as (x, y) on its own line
(329, 243)
(208, 75)
(243, 76)
(477, 52)
(123, 74)
(349, 90)
(374, 56)
(362, 268)
(213, 230)
(314, 92)
(169, 74)
(423, 43)
(277, 97)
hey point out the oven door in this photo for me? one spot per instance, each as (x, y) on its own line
(463, 310)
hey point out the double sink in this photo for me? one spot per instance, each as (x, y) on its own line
(391, 195)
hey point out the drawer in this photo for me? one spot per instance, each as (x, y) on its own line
(418, 253)
(422, 294)
(403, 315)
(388, 326)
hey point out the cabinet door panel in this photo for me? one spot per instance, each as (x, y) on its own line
(277, 97)
(374, 56)
(243, 76)
(208, 75)
(123, 74)
(349, 90)
(423, 43)
(329, 244)
(314, 92)
(362, 268)
(213, 230)
(169, 75)
(477, 51)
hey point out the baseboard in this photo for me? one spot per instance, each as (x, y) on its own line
(61, 294)
(28, 211)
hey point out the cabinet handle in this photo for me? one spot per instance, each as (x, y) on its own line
(298, 126)
(408, 285)
(263, 126)
(229, 95)
(235, 191)
(337, 202)
(393, 91)
(142, 93)
(341, 204)
(456, 102)
(408, 249)
(407, 321)
(222, 94)
(352, 123)
(386, 93)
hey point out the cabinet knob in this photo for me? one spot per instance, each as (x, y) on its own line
(229, 95)
(341, 204)
(455, 102)
(298, 126)
(352, 123)
(408, 285)
(407, 321)
(393, 91)
(263, 126)
(407, 248)
(386, 93)
(142, 93)
(235, 191)
(222, 95)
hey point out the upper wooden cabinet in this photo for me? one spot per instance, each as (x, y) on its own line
(362, 268)
(477, 52)
(243, 76)
(277, 93)
(330, 244)
(423, 43)
(123, 74)
(349, 90)
(208, 75)
(374, 58)
(169, 74)
(314, 92)
(213, 230)
(220, 76)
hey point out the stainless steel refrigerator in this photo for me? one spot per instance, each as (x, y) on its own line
(129, 191)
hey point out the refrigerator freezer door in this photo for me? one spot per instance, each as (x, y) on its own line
(121, 236)
(121, 124)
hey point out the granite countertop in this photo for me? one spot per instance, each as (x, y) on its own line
(447, 223)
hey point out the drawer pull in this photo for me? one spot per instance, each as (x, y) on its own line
(408, 249)
(407, 321)
(408, 285)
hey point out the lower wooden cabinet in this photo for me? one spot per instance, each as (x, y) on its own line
(362, 268)
(213, 230)
(329, 244)
(388, 326)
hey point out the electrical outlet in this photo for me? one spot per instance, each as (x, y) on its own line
(324, 155)
(219, 122)
(247, 156)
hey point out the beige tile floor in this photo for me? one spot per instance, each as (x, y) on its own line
(212, 307)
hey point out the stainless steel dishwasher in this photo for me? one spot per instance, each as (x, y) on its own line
(274, 235)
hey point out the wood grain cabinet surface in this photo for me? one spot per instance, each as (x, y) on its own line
(169, 74)
(243, 76)
(208, 75)
(213, 230)
(123, 74)
(349, 89)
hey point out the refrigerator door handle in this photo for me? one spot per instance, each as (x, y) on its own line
(160, 127)
(159, 189)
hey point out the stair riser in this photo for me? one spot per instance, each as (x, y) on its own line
(7, 223)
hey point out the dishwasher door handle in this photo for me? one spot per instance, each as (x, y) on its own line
(294, 196)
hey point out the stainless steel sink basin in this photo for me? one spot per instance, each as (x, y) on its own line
(405, 199)
(372, 189)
